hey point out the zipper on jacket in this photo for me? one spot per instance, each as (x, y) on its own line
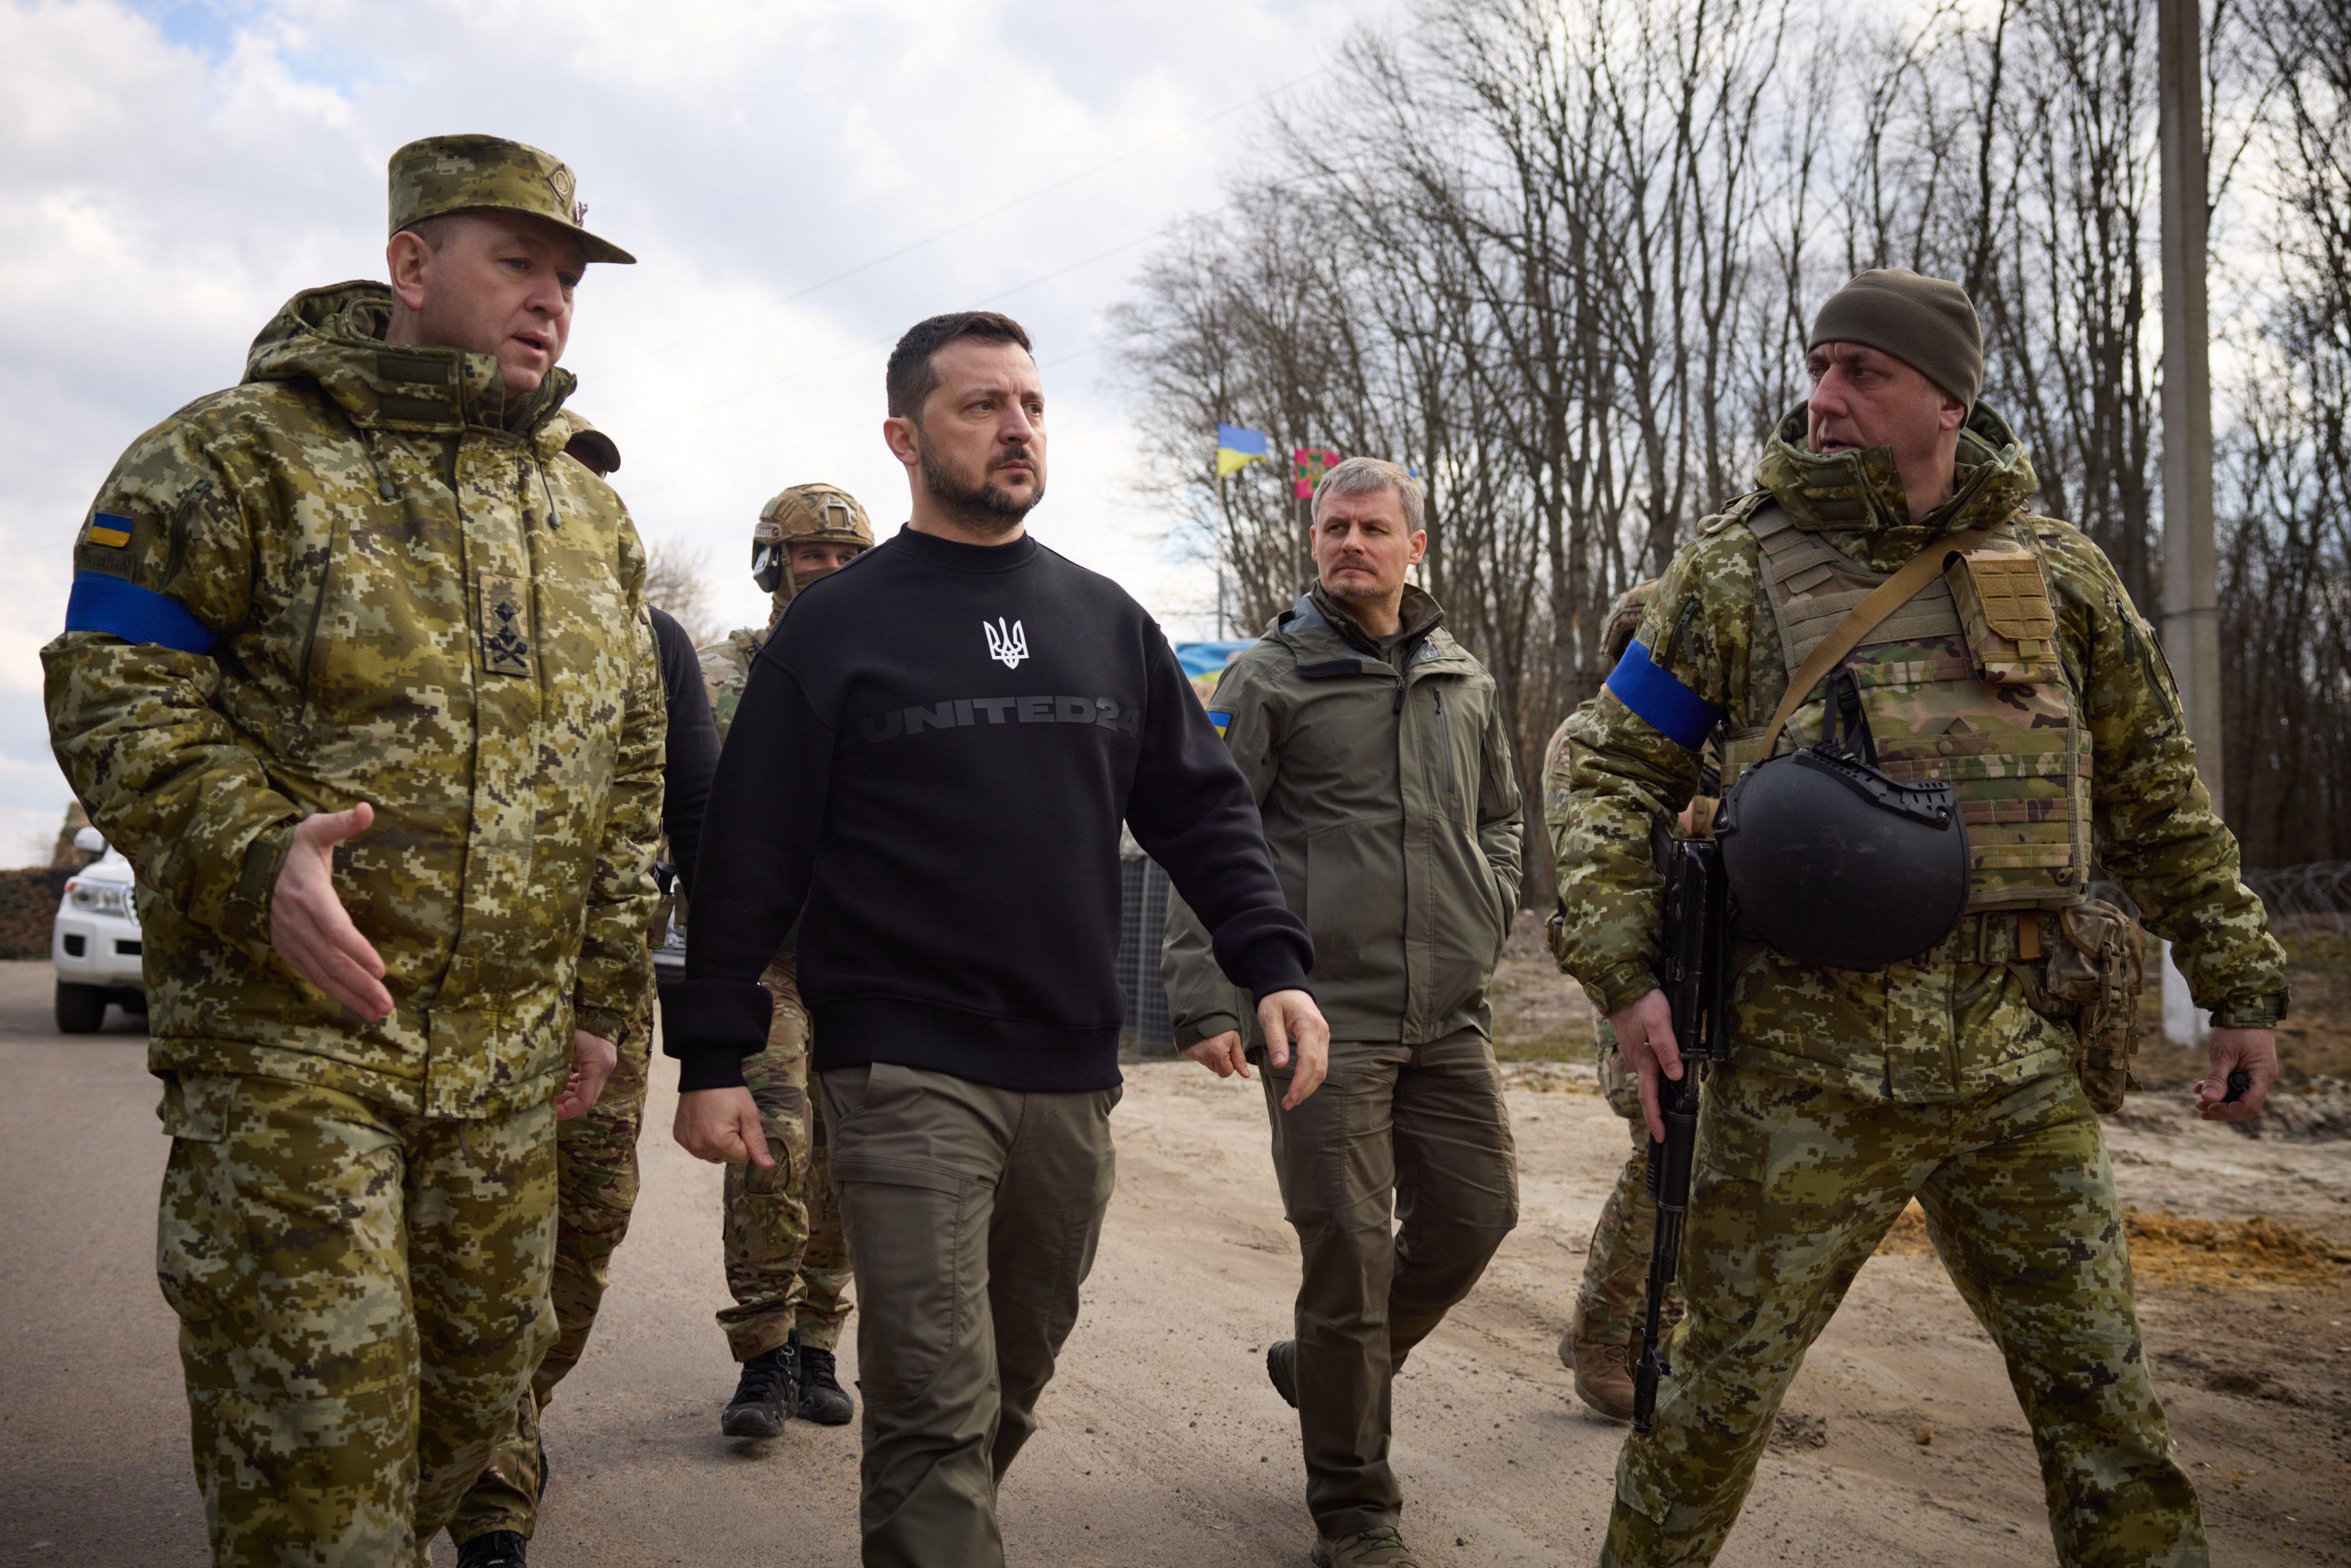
(1444, 745)
(1395, 705)
(1674, 638)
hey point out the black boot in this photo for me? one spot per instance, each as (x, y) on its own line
(822, 1399)
(765, 1397)
(498, 1549)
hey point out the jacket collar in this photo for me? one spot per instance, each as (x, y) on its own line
(1856, 500)
(333, 338)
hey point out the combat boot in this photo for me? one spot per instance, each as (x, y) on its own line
(1282, 1369)
(1603, 1371)
(1378, 1547)
(498, 1549)
(822, 1399)
(766, 1395)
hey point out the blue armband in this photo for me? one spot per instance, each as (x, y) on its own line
(103, 603)
(1671, 708)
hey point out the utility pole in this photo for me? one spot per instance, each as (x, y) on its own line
(2191, 613)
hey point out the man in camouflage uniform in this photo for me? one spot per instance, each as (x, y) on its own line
(786, 1259)
(355, 674)
(1603, 1340)
(2052, 717)
(595, 1152)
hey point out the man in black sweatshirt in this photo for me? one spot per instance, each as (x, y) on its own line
(929, 769)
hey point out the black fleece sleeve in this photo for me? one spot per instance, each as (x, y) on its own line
(767, 809)
(691, 754)
(1192, 812)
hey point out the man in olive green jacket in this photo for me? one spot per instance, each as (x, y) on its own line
(1376, 747)
(357, 674)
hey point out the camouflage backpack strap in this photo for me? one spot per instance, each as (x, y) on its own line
(1741, 510)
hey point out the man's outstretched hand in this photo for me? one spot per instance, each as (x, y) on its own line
(1293, 1024)
(722, 1125)
(308, 926)
(1645, 1039)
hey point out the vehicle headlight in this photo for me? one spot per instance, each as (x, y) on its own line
(100, 897)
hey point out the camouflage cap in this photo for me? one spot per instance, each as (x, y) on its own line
(589, 444)
(822, 512)
(463, 173)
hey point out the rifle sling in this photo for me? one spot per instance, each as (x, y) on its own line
(1865, 617)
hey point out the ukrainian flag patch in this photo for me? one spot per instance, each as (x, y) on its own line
(105, 529)
(1223, 721)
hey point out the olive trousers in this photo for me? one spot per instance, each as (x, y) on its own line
(1416, 1135)
(972, 1215)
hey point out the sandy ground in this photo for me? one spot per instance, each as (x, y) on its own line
(1163, 1443)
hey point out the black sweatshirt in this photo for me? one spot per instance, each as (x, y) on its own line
(932, 755)
(690, 756)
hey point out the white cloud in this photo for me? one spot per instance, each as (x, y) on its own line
(170, 172)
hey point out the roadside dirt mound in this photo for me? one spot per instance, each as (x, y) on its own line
(2171, 1249)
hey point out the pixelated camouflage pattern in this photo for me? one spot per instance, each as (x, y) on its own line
(362, 1294)
(786, 1259)
(1615, 1286)
(1957, 1023)
(461, 173)
(596, 1190)
(376, 540)
(1795, 1186)
(2014, 754)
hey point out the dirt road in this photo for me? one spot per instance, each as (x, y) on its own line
(1163, 1443)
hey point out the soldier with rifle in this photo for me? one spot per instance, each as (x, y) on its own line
(1918, 996)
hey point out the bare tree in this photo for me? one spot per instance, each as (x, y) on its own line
(677, 580)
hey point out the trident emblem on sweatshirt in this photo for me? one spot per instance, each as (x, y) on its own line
(1007, 647)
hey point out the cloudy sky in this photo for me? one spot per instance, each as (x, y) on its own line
(799, 179)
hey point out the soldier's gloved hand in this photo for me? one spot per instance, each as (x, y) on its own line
(722, 1125)
(308, 926)
(2253, 1050)
(1220, 1054)
(1645, 1039)
(593, 1059)
(1291, 1020)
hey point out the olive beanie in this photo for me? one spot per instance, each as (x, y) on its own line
(1926, 323)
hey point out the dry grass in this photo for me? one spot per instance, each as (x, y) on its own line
(2169, 1250)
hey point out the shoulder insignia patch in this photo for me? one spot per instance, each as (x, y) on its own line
(105, 529)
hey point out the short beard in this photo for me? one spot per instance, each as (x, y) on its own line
(985, 508)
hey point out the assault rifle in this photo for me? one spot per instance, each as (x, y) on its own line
(1694, 973)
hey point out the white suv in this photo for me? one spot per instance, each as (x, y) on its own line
(95, 946)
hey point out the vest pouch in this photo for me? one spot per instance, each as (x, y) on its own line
(2092, 977)
(2004, 615)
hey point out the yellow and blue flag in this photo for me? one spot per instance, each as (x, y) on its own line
(1237, 448)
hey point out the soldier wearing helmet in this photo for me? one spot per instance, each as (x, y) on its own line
(787, 1262)
(806, 532)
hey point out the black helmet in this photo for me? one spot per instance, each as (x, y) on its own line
(1834, 864)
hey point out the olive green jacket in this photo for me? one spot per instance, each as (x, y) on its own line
(1392, 807)
(1956, 1022)
(359, 575)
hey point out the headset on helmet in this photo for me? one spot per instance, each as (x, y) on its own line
(826, 513)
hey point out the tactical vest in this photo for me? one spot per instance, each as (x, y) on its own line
(1962, 683)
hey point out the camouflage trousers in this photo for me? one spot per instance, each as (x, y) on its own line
(596, 1187)
(361, 1293)
(1615, 1286)
(1795, 1186)
(786, 1261)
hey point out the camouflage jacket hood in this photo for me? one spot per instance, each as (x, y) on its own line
(359, 575)
(334, 338)
(1855, 500)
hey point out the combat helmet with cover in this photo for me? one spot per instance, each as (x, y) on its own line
(819, 513)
